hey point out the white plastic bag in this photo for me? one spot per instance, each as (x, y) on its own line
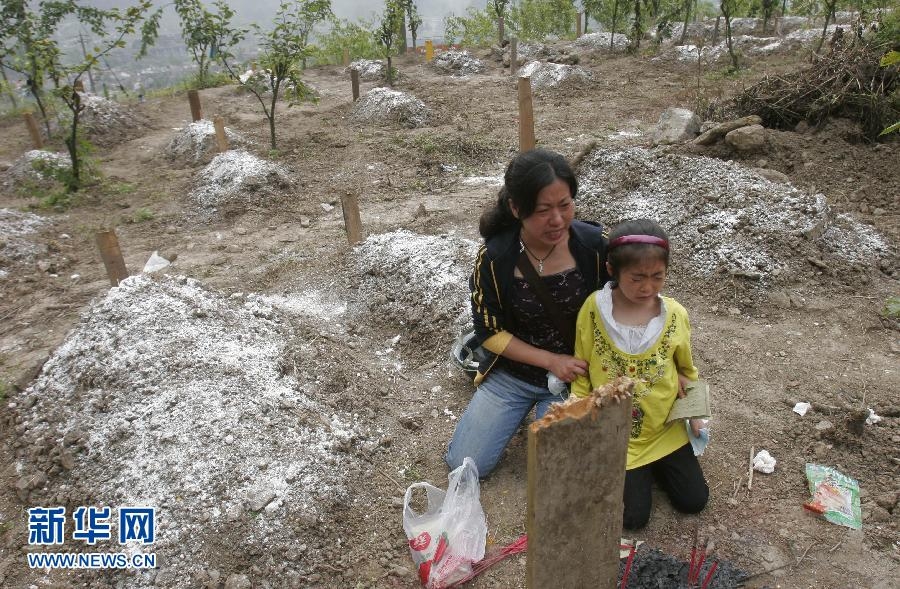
(155, 263)
(450, 535)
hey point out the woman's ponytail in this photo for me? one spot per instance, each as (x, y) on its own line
(497, 218)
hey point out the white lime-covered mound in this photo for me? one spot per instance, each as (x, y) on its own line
(386, 106)
(727, 219)
(171, 395)
(238, 177)
(196, 141)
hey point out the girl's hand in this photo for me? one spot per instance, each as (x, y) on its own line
(683, 382)
(696, 426)
(567, 368)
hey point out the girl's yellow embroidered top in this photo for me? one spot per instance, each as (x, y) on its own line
(655, 370)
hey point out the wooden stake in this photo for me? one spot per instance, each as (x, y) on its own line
(513, 56)
(352, 222)
(354, 83)
(578, 24)
(112, 256)
(194, 99)
(33, 130)
(429, 50)
(576, 480)
(526, 115)
(346, 57)
(221, 138)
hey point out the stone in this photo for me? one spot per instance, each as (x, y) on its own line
(824, 425)
(886, 500)
(878, 514)
(236, 581)
(748, 139)
(240, 231)
(305, 221)
(780, 299)
(721, 130)
(676, 125)
(234, 512)
(260, 499)
(773, 175)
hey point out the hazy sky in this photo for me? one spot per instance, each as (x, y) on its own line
(261, 12)
(259, 9)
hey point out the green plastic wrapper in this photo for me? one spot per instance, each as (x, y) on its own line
(834, 495)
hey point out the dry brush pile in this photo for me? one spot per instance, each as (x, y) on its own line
(847, 82)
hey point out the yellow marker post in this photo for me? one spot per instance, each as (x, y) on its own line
(429, 51)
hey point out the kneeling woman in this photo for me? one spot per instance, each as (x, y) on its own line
(526, 323)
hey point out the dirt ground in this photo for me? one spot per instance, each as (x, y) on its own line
(824, 342)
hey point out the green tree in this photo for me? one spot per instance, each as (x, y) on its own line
(535, 20)
(730, 9)
(357, 38)
(37, 32)
(476, 29)
(207, 34)
(498, 7)
(283, 50)
(608, 13)
(311, 13)
(28, 45)
(767, 7)
(829, 7)
(413, 20)
(637, 28)
(389, 31)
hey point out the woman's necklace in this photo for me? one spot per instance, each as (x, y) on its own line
(540, 261)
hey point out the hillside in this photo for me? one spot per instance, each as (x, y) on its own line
(274, 390)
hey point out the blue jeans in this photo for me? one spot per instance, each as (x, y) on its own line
(499, 405)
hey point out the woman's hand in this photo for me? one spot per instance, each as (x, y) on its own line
(567, 368)
(683, 382)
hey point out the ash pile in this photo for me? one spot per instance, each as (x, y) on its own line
(414, 282)
(108, 122)
(15, 245)
(36, 169)
(602, 42)
(547, 76)
(209, 408)
(370, 70)
(195, 142)
(551, 53)
(724, 219)
(654, 569)
(237, 179)
(384, 106)
(457, 63)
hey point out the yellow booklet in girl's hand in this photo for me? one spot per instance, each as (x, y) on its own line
(693, 405)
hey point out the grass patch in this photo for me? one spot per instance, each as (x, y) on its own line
(141, 215)
(412, 473)
(121, 188)
(892, 307)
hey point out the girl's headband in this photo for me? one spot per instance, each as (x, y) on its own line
(648, 239)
